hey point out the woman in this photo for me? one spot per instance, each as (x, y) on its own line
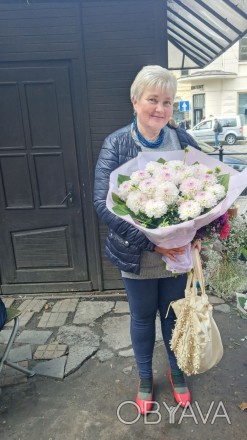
(217, 130)
(149, 287)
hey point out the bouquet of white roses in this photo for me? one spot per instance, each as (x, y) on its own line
(169, 195)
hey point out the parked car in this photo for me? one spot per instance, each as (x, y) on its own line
(229, 159)
(234, 162)
(232, 129)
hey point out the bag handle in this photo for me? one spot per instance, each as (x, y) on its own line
(196, 275)
(198, 269)
(192, 278)
(191, 285)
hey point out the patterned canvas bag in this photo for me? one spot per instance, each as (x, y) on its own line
(196, 339)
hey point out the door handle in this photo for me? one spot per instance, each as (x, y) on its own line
(70, 196)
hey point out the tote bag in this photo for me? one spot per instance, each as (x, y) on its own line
(196, 340)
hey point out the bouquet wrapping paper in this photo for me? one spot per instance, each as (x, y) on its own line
(183, 233)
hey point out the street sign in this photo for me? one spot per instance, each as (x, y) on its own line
(184, 106)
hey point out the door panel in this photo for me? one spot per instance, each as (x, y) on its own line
(42, 231)
(49, 172)
(204, 131)
(43, 112)
(16, 181)
(11, 124)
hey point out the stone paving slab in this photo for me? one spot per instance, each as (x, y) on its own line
(66, 305)
(116, 330)
(21, 353)
(77, 356)
(117, 334)
(215, 300)
(73, 335)
(225, 308)
(4, 336)
(126, 353)
(8, 301)
(34, 337)
(88, 311)
(52, 319)
(53, 368)
(24, 318)
(10, 376)
(82, 342)
(50, 351)
(104, 355)
(121, 307)
(32, 305)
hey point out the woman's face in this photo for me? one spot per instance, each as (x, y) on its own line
(154, 110)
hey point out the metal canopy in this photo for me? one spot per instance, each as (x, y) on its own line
(201, 30)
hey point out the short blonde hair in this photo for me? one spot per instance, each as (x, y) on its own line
(153, 77)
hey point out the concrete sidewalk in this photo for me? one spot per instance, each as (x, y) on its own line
(81, 350)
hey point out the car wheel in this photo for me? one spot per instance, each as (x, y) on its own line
(230, 139)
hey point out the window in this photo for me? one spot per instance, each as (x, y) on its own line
(229, 122)
(242, 106)
(198, 107)
(207, 125)
(243, 49)
(199, 101)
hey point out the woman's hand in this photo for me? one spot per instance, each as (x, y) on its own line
(197, 245)
(171, 253)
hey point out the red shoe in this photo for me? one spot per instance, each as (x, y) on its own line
(145, 406)
(182, 399)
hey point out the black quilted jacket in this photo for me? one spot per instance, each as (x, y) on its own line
(124, 243)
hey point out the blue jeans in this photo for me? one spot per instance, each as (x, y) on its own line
(145, 298)
(216, 138)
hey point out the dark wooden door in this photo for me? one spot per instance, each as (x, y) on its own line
(42, 232)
